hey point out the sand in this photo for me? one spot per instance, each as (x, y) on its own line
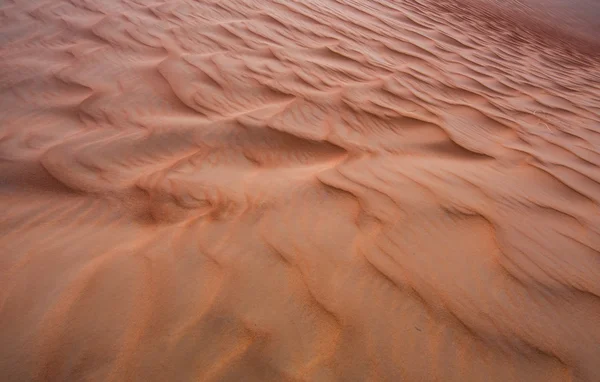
(316, 190)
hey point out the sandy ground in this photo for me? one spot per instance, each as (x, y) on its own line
(316, 190)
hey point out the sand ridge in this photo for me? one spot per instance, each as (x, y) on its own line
(296, 190)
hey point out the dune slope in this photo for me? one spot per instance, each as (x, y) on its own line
(319, 190)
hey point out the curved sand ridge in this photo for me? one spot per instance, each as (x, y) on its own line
(295, 190)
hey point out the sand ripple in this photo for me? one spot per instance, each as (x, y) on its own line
(296, 190)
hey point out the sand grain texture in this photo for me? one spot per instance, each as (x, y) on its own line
(321, 190)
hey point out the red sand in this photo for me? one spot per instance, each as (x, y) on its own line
(323, 190)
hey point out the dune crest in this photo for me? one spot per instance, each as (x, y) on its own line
(296, 190)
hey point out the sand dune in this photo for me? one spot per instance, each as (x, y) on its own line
(321, 190)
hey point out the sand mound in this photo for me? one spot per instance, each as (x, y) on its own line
(322, 190)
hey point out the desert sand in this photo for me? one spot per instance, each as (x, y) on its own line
(315, 190)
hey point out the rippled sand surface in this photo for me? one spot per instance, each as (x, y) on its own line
(316, 190)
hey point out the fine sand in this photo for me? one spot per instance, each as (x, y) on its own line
(307, 190)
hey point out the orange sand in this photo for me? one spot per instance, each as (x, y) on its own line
(321, 190)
